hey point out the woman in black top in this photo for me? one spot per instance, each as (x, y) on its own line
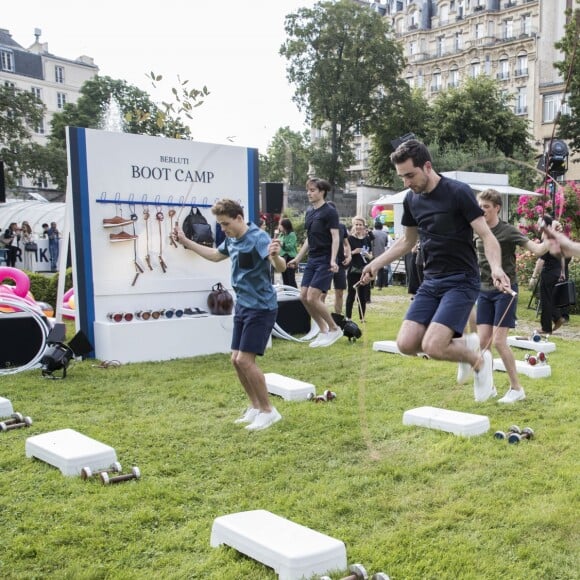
(360, 244)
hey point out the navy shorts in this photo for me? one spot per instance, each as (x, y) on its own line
(317, 274)
(339, 279)
(447, 301)
(252, 329)
(492, 305)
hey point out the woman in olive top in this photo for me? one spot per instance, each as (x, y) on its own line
(288, 250)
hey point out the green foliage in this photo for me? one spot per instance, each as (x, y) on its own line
(20, 112)
(345, 66)
(399, 497)
(569, 69)
(478, 112)
(44, 288)
(286, 158)
(325, 162)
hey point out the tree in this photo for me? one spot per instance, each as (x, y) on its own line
(478, 111)
(410, 114)
(345, 66)
(19, 112)
(286, 158)
(569, 68)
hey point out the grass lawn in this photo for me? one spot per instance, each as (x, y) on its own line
(412, 502)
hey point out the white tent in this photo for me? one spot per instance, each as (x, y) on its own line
(477, 182)
(34, 212)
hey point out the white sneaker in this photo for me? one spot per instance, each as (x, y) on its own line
(316, 342)
(464, 369)
(331, 337)
(264, 420)
(483, 387)
(248, 416)
(512, 396)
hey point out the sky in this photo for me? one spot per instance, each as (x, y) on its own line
(230, 46)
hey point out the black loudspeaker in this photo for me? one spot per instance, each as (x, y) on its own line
(271, 197)
(292, 316)
(80, 344)
(21, 339)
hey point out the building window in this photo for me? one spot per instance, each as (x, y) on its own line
(7, 60)
(420, 79)
(60, 100)
(508, 29)
(40, 127)
(526, 24)
(458, 41)
(37, 92)
(439, 44)
(522, 65)
(521, 101)
(10, 85)
(503, 72)
(444, 17)
(59, 74)
(474, 69)
(453, 78)
(412, 48)
(551, 105)
(436, 82)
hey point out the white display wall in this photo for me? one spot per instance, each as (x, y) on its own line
(117, 174)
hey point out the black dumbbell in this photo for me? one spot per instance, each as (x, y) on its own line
(358, 573)
(527, 433)
(8, 426)
(87, 472)
(14, 418)
(135, 474)
(505, 435)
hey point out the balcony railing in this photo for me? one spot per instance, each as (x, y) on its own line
(503, 75)
(518, 110)
(521, 72)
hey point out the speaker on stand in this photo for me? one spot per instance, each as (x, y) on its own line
(272, 197)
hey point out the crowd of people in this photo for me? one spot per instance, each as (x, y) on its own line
(21, 240)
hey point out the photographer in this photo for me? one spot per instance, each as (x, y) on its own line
(11, 238)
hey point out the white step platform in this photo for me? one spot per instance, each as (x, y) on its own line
(293, 551)
(456, 422)
(523, 368)
(540, 346)
(5, 407)
(288, 388)
(391, 346)
(70, 451)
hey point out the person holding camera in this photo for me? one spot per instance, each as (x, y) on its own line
(11, 239)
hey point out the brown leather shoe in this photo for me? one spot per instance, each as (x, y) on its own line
(559, 323)
(122, 237)
(116, 222)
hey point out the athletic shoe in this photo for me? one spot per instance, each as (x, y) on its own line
(316, 342)
(249, 415)
(464, 369)
(512, 396)
(330, 337)
(264, 420)
(483, 387)
(116, 222)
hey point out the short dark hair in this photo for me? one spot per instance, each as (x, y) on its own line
(287, 224)
(411, 149)
(320, 184)
(378, 225)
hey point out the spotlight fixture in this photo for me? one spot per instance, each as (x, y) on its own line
(58, 355)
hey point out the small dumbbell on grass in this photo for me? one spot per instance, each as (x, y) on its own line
(527, 433)
(87, 472)
(14, 418)
(10, 425)
(380, 576)
(358, 572)
(106, 480)
(505, 435)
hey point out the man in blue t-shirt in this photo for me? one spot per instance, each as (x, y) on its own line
(443, 213)
(321, 244)
(251, 252)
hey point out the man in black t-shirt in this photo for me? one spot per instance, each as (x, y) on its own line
(444, 214)
(321, 244)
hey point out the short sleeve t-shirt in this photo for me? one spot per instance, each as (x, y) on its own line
(443, 218)
(318, 223)
(251, 269)
(508, 237)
